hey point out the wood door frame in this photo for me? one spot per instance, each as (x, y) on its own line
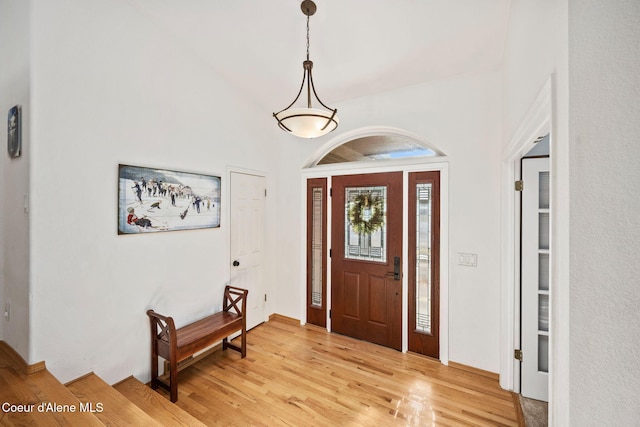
(440, 164)
(537, 122)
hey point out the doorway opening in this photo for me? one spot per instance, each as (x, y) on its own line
(536, 124)
(359, 280)
(366, 235)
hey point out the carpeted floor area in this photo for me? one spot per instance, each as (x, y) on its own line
(535, 412)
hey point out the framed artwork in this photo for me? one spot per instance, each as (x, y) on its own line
(154, 200)
(14, 131)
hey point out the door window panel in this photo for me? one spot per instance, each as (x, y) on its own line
(316, 247)
(423, 257)
(365, 223)
(543, 353)
(543, 270)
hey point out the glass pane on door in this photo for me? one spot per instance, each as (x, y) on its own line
(365, 223)
(544, 240)
(316, 247)
(544, 190)
(536, 255)
(423, 257)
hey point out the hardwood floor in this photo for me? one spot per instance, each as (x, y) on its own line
(303, 376)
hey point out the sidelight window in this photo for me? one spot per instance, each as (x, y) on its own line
(423, 211)
(316, 246)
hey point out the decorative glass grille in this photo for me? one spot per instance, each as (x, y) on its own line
(365, 223)
(316, 247)
(423, 257)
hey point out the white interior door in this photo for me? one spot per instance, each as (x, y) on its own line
(535, 278)
(248, 193)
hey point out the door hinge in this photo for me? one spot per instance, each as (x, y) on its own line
(517, 354)
(265, 192)
(331, 192)
(519, 185)
(329, 314)
(265, 297)
(330, 252)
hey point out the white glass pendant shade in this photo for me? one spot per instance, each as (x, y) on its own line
(307, 122)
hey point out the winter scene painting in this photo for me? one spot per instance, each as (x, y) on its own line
(152, 200)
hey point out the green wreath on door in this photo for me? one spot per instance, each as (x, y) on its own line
(366, 213)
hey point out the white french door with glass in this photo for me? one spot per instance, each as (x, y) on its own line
(535, 272)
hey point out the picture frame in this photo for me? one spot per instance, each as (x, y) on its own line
(157, 200)
(14, 131)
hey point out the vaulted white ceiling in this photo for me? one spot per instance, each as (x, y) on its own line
(358, 47)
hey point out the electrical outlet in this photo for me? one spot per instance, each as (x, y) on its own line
(7, 312)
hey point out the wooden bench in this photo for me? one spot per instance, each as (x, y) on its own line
(175, 345)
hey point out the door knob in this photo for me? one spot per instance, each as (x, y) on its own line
(236, 263)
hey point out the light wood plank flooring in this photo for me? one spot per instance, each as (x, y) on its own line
(304, 376)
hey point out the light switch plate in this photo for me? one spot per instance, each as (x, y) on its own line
(467, 260)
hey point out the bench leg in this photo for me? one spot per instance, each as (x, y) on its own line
(154, 364)
(244, 343)
(242, 348)
(154, 373)
(173, 378)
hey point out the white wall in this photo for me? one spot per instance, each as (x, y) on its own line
(14, 222)
(110, 87)
(290, 261)
(594, 57)
(536, 52)
(461, 116)
(604, 139)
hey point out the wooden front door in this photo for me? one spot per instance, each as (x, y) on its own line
(366, 275)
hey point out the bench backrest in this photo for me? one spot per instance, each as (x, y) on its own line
(235, 300)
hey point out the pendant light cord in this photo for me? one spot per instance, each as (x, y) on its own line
(309, 122)
(307, 37)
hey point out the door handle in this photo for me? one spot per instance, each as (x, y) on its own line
(396, 268)
(236, 263)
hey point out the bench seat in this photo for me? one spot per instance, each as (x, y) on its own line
(175, 345)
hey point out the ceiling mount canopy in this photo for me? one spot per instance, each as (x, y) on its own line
(307, 121)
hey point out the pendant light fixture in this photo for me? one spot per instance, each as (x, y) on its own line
(307, 122)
